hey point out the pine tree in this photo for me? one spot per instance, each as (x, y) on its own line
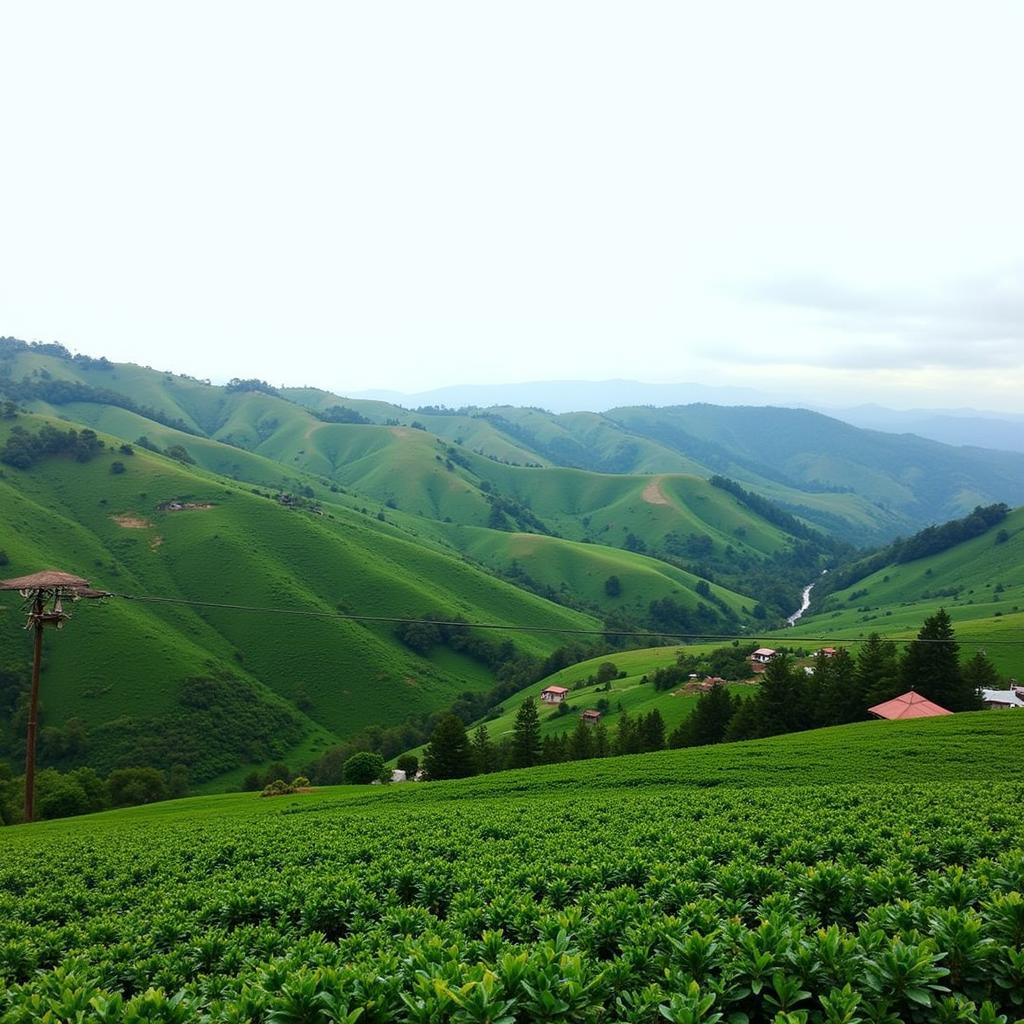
(484, 754)
(932, 665)
(878, 672)
(625, 735)
(448, 755)
(581, 743)
(711, 717)
(652, 732)
(526, 746)
(602, 747)
(980, 674)
(839, 689)
(781, 699)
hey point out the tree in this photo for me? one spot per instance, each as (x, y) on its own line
(932, 666)
(606, 672)
(581, 743)
(613, 586)
(129, 786)
(363, 768)
(980, 674)
(652, 732)
(781, 699)
(448, 755)
(878, 672)
(711, 717)
(177, 781)
(601, 744)
(484, 754)
(408, 763)
(526, 746)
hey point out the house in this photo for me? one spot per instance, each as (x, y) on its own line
(591, 716)
(554, 694)
(1012, 698)
(908, 705)
(398, 775)
(825, 652)
(760, 658)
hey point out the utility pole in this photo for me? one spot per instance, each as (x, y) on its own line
(50, 588)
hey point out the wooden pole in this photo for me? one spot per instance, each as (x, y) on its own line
(33, 711)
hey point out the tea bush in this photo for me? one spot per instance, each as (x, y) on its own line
(516, 898)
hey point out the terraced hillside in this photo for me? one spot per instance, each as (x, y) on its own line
(755, 879)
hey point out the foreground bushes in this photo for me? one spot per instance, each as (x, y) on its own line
(487, 901)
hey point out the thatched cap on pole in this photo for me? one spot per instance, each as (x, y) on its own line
(48, 579)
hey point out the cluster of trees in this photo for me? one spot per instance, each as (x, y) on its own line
(250, 384)
(341, 414)
(178, 452)
(842, 688)
(83, 790)
(23, 449)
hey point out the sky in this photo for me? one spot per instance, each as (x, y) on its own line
(820, 200)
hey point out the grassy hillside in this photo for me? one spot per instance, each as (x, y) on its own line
(980, 582)
(242, 548)
(861, 485)
(723, 880)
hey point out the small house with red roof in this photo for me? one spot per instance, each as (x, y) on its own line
(591, 716)
(554, 694)
(761, 657)
(908, 705)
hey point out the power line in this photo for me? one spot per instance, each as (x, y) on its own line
(519, 628)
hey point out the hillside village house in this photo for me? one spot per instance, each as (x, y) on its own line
(554, 694)
(591, 716)
(908, 705)
(1003, 699)
(760, 658)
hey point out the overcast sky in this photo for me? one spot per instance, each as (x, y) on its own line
(821, 199)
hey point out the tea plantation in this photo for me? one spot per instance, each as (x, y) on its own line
(865, 873)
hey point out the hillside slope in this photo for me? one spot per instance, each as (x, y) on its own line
(231, 545)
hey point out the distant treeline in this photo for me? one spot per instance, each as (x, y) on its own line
(929, 541)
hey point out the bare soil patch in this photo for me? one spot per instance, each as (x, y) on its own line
(132, 522)
(653, 494)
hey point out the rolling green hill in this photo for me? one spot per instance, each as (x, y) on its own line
(332, 677)
(980, 582)
(860, 485)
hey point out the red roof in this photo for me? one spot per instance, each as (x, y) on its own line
(554, 689)
(908, 705)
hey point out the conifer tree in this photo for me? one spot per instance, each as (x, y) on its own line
(781, 699)
(602, 747)
(652, 732)
(581, 744)
(448, 755)
(878, 671)
(980, 674)
(526, 745)
(484, 754)
(711, 717)
(932, 666)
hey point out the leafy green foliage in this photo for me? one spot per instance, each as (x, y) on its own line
(730, 883)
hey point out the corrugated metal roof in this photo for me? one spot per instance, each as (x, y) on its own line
(908, 705)
(1003, 697)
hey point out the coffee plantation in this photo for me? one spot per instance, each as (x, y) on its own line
(867, 873)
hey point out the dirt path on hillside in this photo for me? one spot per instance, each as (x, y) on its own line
(653, 494)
